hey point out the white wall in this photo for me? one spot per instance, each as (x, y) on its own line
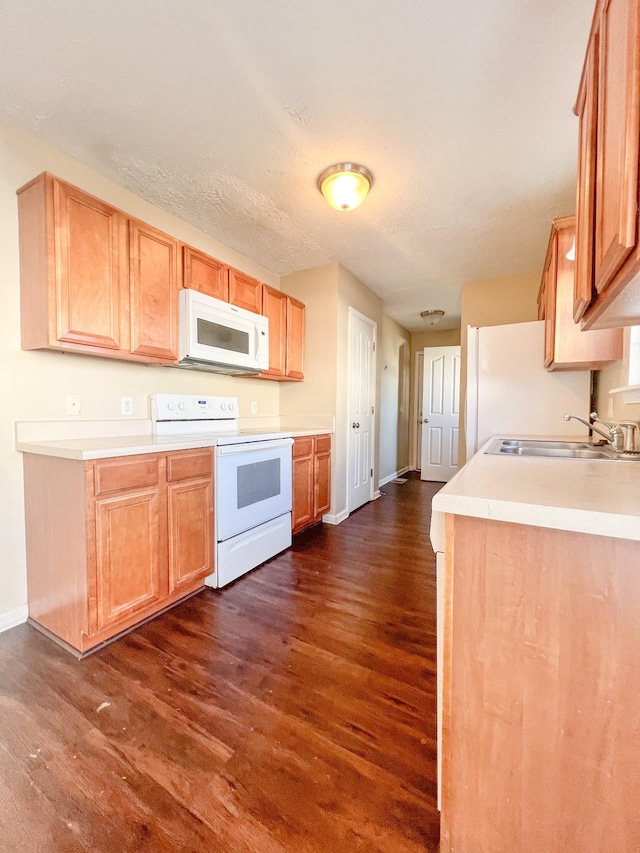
(394, 354)
(35, 384)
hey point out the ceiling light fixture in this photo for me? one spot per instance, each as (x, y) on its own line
(432, 316)
(345, 185)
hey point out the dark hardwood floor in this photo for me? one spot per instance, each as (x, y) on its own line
(291, 711)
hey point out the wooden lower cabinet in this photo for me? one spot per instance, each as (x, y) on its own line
(540, 724)
(311, 480)
(111, 542)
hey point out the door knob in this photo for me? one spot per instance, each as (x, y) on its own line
(425, 421)
(355, 425)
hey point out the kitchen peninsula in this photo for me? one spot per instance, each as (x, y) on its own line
(540, 637)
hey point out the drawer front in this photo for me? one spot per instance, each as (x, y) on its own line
(125, 473)
(303, 446)
(323, 443)
(187, 465)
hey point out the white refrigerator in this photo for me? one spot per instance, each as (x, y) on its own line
(509, 392)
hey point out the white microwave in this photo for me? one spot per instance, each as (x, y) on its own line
(222, 338)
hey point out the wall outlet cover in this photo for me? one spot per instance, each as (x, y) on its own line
(127, 405)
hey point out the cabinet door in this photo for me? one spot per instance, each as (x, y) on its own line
(322, 476)
(91, 274)
(205, 274)
(244, 291)
(190, 505)
(274, 307)
(303, 485)
(618, 139)
(154, 293)
(129, 546)
(587, 107)
(295, 338)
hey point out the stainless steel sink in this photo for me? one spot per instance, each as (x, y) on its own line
(557, 449)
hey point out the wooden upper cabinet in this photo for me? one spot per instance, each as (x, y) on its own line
(154, 291)
(91, 279)
(73, 270)
(618, 139)
(205, 274)
(295, 338)
(566, 346)
(286, 334)
(244, 291)
(608, 249)
(586, 108)
(274, 307)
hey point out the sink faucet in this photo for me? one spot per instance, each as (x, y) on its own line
(614, 436)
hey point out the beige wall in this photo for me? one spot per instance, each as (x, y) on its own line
(619, 375)
(35, 384)
(510, 299)
(420, 340)
(395, 355)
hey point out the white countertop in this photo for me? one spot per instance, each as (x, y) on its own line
(600, 497)
(102, 441)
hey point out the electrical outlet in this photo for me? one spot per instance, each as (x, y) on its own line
(127, 405)
(254, 408)
(73, 404)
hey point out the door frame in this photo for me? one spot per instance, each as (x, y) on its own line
(417, 431)
(374, 492)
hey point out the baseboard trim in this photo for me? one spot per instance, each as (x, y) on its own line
(332, 518)
(393, 476)
(13, 618)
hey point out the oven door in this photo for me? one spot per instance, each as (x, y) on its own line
(253, 484)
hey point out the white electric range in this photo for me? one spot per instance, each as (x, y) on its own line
(252, 480)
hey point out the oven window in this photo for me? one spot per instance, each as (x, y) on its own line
(215, 335)
(258, 481)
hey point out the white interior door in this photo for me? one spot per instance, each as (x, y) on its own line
(362, 389)
(440, 413)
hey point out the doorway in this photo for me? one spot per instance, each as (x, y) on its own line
(362, 393)
(439, 429)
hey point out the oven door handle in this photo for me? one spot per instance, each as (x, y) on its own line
(253, 446)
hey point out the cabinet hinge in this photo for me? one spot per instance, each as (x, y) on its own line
(372, 472)
(374, 346)
(373, 410)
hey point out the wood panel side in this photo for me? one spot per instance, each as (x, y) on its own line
(37, 299)
(543, 703)
(57, 573)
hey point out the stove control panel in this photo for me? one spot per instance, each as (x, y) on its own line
(190, 407)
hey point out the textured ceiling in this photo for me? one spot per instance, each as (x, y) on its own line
(224, 113)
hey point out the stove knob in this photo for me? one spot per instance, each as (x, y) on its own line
(181, 406)
(171, 406)
(231, 407)
(223, 406)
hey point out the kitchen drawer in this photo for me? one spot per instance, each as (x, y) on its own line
(190, 464)
(323, 443)
(303, 447)
(125, 473)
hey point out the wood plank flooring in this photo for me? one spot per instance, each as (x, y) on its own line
(291, 711)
